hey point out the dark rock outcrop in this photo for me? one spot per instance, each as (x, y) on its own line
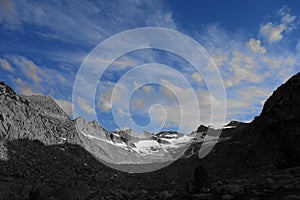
(202, 129)
(233, 123)
(269, 143)
(279, 123)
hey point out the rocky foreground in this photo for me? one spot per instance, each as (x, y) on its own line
(42, 157)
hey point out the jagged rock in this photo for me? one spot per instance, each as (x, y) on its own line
(202, 129)
(33, 117)
(233, 123)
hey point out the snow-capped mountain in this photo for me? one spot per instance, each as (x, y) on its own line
(39, 117)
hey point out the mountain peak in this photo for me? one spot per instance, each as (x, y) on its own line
(233, 123)
(5, 89)
(279, 120)
(202, 128)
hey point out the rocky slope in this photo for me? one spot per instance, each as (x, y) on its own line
(279, 123)
(272, 138)
(261, 159)
(35, 117)
(39, 117)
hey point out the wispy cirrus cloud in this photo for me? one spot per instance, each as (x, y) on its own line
(8, 15)
(5, 65)
(84, 106)
(87, 23)
(251, 64)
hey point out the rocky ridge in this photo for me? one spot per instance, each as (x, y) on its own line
(35, 117)
(252, 164)
(39, 117)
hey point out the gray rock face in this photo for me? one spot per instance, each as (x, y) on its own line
(34, 117)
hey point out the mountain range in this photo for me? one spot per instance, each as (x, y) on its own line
(46, 155)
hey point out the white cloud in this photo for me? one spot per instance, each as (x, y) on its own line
(29, 68)
(283, 61)
(220, 60)
(5, 65)
(168, 93)
(139, 103)
(84, 106)
(27, 90)
(272, 32)
(253, 95)
(243, 68)
(106, 99)
(148, 89)
(121, 112)
(286, 18)
(197, 77)
(248, 100)
(61, 78)
(122, 63)
(255, 46)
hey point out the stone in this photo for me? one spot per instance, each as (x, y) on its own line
(121, 194)
(231, 189)
(142, 193)
(205, 190)
(293, 170)
(227, 197)
(268, 190)
(269, 181)
(288, 186)
(7, 195)
(45, 192)
(202, 196)
(292, 197)
(164, 195)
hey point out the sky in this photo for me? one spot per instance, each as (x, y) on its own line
(254, 45)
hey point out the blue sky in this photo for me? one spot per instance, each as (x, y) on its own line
(255, 45)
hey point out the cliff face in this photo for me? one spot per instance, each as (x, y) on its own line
(281, 111)
(33, 117)
(279, 121)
